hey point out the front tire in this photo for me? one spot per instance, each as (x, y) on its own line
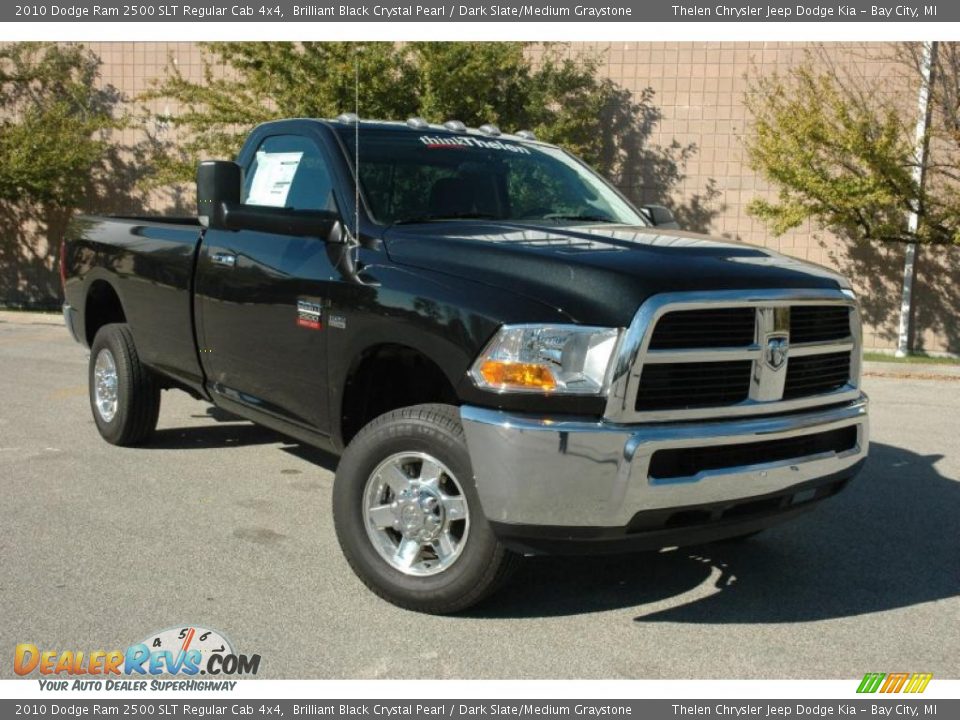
(408, 518)
(124, 394)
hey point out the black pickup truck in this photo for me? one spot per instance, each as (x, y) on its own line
(508, 356)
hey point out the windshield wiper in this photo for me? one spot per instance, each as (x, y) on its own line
(488, 216)
(441, 218)
(585, 218)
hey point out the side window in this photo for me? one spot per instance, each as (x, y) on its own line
(288, 171)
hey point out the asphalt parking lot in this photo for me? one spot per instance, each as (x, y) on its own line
(223, 524)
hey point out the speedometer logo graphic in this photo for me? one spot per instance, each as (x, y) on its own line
(177, 640)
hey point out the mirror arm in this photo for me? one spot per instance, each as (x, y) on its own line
(284, 221)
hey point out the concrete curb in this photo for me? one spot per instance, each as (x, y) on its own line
(917, 371)
(18, 317)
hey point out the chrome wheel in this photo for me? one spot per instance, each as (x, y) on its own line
(105, 385)
(416, 514)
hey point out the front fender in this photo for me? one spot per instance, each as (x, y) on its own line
(448, 320)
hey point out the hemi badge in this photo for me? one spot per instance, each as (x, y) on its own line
(308, 315)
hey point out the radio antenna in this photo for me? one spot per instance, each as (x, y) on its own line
(356, 145)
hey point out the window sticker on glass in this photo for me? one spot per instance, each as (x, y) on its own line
(273, 177)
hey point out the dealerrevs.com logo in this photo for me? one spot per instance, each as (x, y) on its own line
(187, 652)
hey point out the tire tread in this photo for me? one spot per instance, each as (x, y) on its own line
(142, 407)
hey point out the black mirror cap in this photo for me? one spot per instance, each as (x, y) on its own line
(660, 216)
(219, 183)
(278, 220)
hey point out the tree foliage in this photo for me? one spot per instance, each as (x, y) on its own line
(840, 152)
(559, 97)
(54, 121)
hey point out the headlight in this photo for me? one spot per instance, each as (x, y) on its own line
(567, 359)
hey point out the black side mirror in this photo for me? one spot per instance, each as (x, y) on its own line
(219, 183)
(660, 216)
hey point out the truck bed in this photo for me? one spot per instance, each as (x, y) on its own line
(149, 263)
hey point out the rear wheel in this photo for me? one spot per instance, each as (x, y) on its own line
(124, 395)
(407, 516)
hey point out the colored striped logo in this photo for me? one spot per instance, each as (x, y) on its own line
(894, 682)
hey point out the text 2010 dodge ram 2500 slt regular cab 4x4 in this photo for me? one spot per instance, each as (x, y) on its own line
(510, 357)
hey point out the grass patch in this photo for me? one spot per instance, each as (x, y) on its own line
(918, 358)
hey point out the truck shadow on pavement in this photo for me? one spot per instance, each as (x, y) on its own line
(215, 436)
(230, 430)
(891, 539)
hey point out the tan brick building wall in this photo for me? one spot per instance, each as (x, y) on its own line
(699, 91)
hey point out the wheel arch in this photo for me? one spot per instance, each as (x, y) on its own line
(387, 376)
(102, 306)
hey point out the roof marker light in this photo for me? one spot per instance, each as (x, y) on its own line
(526, 134)
(455, 126)
(418, 123)
(348, 118)
(489, 129)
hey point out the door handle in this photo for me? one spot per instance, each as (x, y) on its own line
(226, 259)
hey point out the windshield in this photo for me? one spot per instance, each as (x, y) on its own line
(410, 177)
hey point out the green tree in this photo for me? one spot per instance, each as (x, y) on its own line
(559, 97)
(840, 152)
(54, 122)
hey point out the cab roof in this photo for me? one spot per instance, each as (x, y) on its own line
(451, 127)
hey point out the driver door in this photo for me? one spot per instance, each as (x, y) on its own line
(260, 297)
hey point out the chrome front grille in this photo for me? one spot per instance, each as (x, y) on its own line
(712, 355)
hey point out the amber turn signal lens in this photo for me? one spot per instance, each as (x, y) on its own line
(518, 375)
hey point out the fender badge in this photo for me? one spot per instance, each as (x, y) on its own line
(338, 321)
(309, 315)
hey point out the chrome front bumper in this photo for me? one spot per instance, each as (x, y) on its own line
(562, 472)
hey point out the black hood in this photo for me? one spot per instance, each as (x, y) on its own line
(597, 274)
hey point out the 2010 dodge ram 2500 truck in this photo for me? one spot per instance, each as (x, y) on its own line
(508, 355)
